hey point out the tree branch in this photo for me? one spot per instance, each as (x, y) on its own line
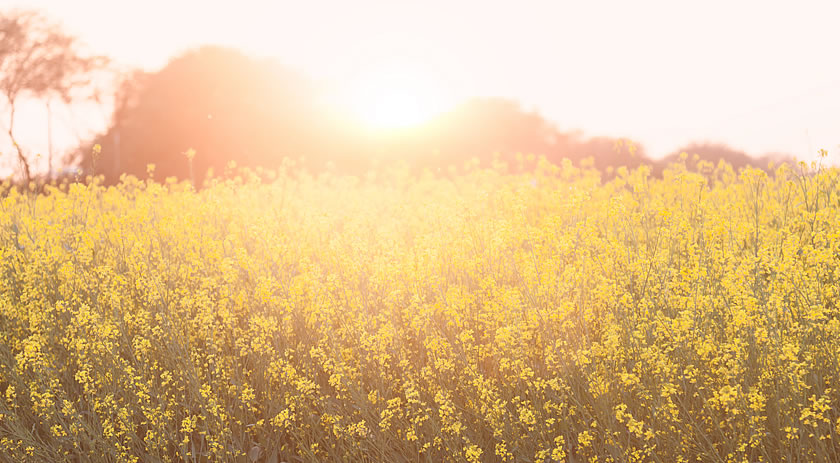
(11, 132)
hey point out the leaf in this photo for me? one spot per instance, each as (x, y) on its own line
(254, 453)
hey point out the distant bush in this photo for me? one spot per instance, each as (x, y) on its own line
(714, 153)
(228, 107)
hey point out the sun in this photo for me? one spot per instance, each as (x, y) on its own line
(394, 96)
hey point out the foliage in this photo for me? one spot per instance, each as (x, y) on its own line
(232, 107)
(717, 152)
(541, 316)
(39, 60)
(222, 103)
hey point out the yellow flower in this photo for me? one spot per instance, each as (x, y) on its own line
(473, 453)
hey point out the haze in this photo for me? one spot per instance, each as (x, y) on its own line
(760, 76)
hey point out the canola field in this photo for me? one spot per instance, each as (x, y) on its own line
(477, 316)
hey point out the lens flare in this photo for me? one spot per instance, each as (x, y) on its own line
(394, 96)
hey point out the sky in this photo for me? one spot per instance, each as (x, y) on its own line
(761, 76)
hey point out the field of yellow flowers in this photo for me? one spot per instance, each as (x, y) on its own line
(475, 316)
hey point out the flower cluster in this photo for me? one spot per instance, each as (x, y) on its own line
(476, 316)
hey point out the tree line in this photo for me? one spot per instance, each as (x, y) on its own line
(225, 106)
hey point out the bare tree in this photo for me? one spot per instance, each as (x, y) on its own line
(38, 60)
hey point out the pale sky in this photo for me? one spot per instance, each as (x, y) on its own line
(762, 76)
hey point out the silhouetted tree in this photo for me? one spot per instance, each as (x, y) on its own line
(229, 107)
(224, 105)
(40, 61)
(716, 152)
(498, 128)
(605, 152)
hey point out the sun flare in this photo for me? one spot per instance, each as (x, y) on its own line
(394, 96)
